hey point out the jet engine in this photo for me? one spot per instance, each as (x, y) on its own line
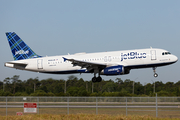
(115, 70)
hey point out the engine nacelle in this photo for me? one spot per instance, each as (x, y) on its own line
(113, 70)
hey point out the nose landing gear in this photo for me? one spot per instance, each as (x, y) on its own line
(154, 70)
(155, 74)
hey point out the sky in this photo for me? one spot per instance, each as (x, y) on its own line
(59, 27)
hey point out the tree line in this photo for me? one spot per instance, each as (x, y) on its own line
(78, 87)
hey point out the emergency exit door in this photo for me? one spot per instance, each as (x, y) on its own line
(153, 54)
(40, 64)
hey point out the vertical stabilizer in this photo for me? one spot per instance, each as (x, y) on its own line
(19, 48)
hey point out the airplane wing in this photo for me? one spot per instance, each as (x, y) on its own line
(90, 66)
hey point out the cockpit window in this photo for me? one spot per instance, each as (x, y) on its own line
(166, 53)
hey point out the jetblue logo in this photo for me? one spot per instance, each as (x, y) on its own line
(132, 55)
(114, 69)
(21, 52)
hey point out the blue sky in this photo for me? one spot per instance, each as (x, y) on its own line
(60, 27)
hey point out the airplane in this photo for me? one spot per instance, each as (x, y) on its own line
(101, 63)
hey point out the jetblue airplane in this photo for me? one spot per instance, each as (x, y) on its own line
(101, 63)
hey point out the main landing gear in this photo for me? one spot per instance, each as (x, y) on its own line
(96, 79)
(154, 70)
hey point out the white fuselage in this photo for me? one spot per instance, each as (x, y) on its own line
(131, 59)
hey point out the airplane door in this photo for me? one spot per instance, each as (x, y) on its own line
(40, 63)
(153, 54)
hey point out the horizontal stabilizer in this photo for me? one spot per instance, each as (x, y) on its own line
(16, 64)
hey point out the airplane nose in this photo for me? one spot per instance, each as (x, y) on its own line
(175, 58)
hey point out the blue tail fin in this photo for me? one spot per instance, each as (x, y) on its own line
(19, 48)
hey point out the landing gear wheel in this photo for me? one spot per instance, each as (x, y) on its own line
(99, 79)
(155, 74)
(94, 79)
(154, 70)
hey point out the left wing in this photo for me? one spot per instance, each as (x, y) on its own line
(90, 66)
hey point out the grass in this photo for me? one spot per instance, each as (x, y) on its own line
(175, 113)
(83, 117)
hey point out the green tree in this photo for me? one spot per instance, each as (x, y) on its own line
(8, 86)
(39, 93)
(138, 88)
(109, 87)
(119, 83)
(14, 79)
